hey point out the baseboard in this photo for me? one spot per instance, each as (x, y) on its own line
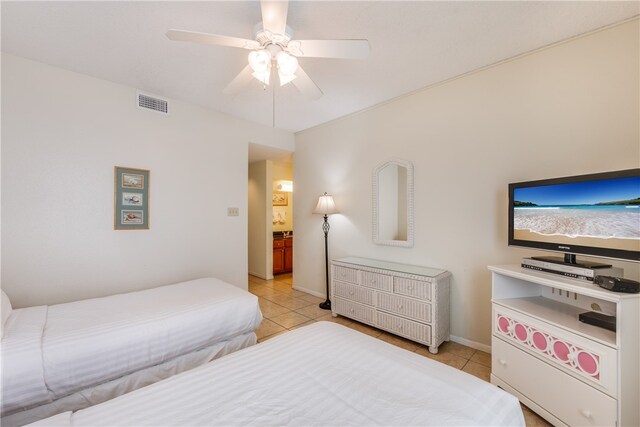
(260, 275)
(309, 291)
(472, 344)
(459, 340)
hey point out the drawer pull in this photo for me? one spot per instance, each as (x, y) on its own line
(502, 362)
(351, 293)
(410, 287)
(399, 327)
(373, 281)
(351, 310)
(586, 413)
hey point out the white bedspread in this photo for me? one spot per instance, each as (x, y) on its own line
(22, 374)
(88, 342)
(322, 374)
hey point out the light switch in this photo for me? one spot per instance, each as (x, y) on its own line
(233, 211)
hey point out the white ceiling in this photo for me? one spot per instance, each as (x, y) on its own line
(413, 44)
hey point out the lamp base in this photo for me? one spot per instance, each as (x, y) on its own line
(325, 305)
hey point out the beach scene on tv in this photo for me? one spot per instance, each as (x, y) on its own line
(603, 213)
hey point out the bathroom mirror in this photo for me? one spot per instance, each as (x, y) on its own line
(393, 203)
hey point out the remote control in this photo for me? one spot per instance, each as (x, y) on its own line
(618, 284)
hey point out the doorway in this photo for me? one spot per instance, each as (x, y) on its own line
(270, 212)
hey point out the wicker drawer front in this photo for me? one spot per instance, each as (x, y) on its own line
(353, 292)
(377, 281)
(412, 288)
(406, 328)
(345, 274)
(420, 311)
(354, 310)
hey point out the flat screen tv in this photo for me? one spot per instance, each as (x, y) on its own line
(595, 215)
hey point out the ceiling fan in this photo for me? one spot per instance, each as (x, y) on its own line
(273, 48)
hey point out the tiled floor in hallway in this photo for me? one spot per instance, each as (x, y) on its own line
(285, 308)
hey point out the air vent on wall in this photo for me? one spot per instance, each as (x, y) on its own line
(153, 103)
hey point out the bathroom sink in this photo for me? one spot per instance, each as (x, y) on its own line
(281, 234)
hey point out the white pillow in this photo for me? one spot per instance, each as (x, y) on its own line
(6, 310)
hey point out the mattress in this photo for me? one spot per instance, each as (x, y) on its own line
(52, 352)
(125, 384)
(321, 374)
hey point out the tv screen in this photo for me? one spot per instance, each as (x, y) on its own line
(596, 214)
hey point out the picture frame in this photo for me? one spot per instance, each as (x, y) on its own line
(131, 198)
(280, 198)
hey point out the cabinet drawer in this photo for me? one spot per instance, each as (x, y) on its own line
(412, 288)
(580, 357)
(354, 310)
(345, 274)
(406, 328)
(570, 400)
(420, 311)
(278, 243)
(381, 282)
(353, 292)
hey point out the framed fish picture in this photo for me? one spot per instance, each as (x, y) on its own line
(131, 199)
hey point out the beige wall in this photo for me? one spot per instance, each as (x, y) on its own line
(284, 170)
(260, 230)
(569, 109)
(62, 135)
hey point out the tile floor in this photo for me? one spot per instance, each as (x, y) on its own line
(285, 308)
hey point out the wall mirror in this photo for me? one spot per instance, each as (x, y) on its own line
(393, 203)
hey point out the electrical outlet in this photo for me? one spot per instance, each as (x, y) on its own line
(233, 211)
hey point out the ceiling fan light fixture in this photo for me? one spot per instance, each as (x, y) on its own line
(260, 60)
(287, 64)
(285, 78)
(287, 67)
(263, 76)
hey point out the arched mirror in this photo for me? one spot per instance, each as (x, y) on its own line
(393, 203)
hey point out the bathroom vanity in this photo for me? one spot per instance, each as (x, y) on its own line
(282, 252)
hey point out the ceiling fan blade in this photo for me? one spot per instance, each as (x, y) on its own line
(239, 82)
(192, 36)
(344, 49)
(305, 85)
(274, 15)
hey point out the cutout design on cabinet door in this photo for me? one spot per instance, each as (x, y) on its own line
(580, 360)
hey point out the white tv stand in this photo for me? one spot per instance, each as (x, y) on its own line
(568, 372)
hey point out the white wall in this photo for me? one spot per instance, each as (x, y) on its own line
(570, 109)
(62, 135)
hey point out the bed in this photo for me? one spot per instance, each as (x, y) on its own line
(70, 356)
(321, 374)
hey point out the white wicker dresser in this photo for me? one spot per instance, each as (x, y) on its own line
(406, 300)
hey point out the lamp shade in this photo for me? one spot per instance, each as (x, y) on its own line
(326, 205)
